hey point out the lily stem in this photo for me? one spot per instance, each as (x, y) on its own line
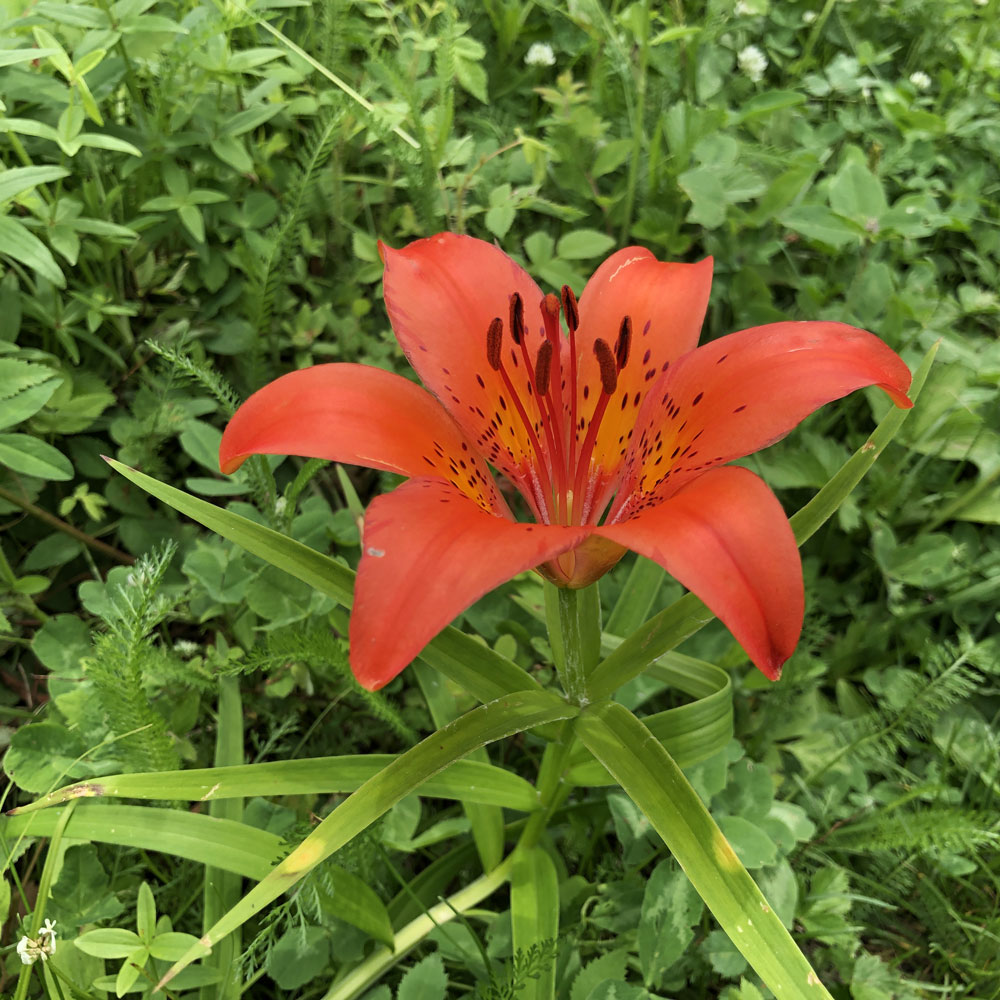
(574, 621)
(408, 937)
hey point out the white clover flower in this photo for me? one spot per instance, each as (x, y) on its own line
(742, 9)
(809, 16)
(752, 62)
(540, 54)
(920, 80)
(29, 950)
(185, 647)
(280, 504)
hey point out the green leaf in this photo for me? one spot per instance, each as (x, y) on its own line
(82, 894)
(652, 779)
(145, 915)
(855, 192)
(426, 980)
(610, 965)
(818, 223)
(300, 954)
(20, 179)
(170, 945)
(42, 755)
(18, 408)
(703, 185)
(503, 717)
(670, 909)
(350, 899)
(108, 942)
(28, 455)
(225, 844)
(24, 246)
(469, 663)
(534, 913)
(11, 57)
(584, 244)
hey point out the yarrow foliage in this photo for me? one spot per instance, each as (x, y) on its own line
(611, 423)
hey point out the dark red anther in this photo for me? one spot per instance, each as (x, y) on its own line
(624, 342)
(609, 370)
(543, 367)
(516, 317)
(570, 309)
(494, 341)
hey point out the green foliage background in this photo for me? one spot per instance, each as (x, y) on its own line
(190, 203)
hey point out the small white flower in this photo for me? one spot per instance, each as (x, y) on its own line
(920, 80)
(280, 504)
(743, 9)
(540, 54)
(29, 950)
(866, 93)
(185, 647)
(809, 16)
(752, 62)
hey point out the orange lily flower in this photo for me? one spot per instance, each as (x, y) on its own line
(615, 432)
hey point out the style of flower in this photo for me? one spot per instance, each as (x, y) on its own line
(29, 950)
(615, 432)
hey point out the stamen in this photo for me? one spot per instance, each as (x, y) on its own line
(494, 341)
(517, 317)
(570, 309)
(624, 342)
(609, 371)
(543, 368)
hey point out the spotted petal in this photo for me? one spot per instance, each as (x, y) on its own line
(441, 294)
(745, 391)
(360, 415)
(666, 304)
(726, 538)
(430, 552)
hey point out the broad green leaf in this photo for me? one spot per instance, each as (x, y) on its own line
(18, 408)
(20, 179)
(819, 224)
(469, 663)
(300, 954)
(24, 246)
(43, 754)
(82, 893)
(11, 57)
(108, 942)
(652, 779)
(584, 244)
(503, 717)
(670, 910)
(855, 192)
(28, 455)
(685, 617)
(426, 980)
(348, 898)
(534, 913)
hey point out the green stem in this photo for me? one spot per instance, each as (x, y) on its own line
(66, 528)
(359, 979)
(44, 886)
(221, 889)
(574, 622)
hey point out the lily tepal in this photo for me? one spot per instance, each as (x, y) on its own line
(611, 423)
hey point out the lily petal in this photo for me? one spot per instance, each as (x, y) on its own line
(745, 391)
(360, 415)
(726, 538)
(441, 294)
(429, 553)
(665, 304)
